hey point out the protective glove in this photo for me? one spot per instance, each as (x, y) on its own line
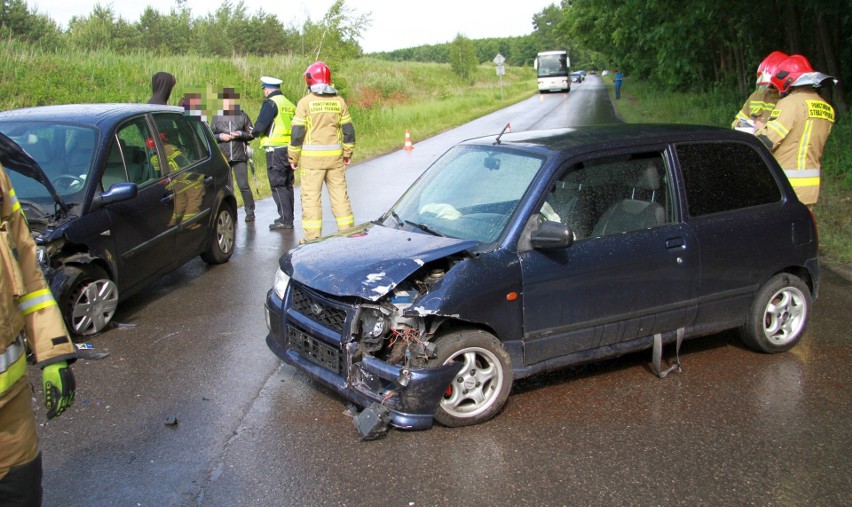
(58, 386)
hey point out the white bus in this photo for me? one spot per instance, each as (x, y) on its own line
(553, 71)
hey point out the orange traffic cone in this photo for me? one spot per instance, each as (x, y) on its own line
(408, 145)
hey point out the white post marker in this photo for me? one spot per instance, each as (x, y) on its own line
(501, 70)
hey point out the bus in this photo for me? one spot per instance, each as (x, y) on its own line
(553, 71)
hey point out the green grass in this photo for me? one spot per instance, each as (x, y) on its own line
(643, 103)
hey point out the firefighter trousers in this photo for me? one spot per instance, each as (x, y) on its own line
(20, 463)
(335, 182)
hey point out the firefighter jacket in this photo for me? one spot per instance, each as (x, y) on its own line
(323, 134)
(796, 133)
(277, 131)
(238, 121)
(26, 303)
(758, 106)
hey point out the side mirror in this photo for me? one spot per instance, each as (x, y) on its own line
(116, 193)
(552, 235)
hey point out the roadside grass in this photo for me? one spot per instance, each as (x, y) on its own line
(384, 98)
(643, 103)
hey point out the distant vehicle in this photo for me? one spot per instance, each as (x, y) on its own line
(577, 76)
(605, 72)
(578, 245)
(116, 195)
(553, 68)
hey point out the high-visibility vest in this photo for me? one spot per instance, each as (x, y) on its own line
(279, 134)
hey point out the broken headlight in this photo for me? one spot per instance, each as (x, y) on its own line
(372, 323)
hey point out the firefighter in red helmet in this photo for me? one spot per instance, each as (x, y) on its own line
(321, 145)
(755, 112)
(799, 125)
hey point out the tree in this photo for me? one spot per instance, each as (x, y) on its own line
(463, 60)
(16, 21)
(335, 38)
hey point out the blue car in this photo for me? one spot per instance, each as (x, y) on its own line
(117, 195)
(521, 253)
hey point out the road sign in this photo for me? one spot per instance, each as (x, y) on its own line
(499, 59)
(501, 70)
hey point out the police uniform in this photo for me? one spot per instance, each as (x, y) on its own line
(323, 136)
(27, 308)
(796, 133)
(273, 129)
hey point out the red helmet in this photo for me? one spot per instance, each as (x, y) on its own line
(788, 71)
(767, 67)
(318, 73)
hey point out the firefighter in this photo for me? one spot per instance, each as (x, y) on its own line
(29, 313)
(273, 129)
(799, 125)
(321, 147)
(755, 112)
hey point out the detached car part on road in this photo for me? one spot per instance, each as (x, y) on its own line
(116, 196)
(521, 253)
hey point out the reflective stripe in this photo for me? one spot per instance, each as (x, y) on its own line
(778, 128)
(804, 144)
(326, 153)
(12, 353)
(35, 301)
(312, 224)
(344, 221)
(13, 364)
(803, 177)
(16, 206)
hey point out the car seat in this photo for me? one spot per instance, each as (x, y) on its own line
(633, 213)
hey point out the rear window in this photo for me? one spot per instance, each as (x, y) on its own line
(725, 176)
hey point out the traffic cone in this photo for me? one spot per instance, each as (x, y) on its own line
(408, 145)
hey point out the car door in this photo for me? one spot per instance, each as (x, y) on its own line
(144, 239)
(632, 270)
(186, 155)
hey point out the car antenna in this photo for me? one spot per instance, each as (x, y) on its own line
(497, 141)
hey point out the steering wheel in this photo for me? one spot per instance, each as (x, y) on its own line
(68, 182)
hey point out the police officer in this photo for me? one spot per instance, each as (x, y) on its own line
(321, 146)
(755, 112)
(799, 125)
(273, 129)
(27, 309)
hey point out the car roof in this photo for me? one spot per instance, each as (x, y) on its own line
(597, 137)
(94, 114)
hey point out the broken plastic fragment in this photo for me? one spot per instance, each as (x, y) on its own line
(372, 423)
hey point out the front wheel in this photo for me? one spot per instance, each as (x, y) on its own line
(221, 245)
(481, 388)
(88, 301)
(779, 314)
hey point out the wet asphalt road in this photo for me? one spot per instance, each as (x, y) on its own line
(735, 428)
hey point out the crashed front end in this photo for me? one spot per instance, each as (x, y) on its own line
(365, 336)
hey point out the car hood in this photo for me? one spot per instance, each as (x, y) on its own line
(14, 158)
(368, 261)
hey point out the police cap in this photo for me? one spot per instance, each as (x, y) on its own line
(270, 82)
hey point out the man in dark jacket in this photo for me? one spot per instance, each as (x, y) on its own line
(233, 130)
(161, 88)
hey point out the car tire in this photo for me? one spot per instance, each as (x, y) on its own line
(222, 238)
(88, 301)
(481, 389)
(779, 314)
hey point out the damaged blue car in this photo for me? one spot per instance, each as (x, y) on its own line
(530, 251)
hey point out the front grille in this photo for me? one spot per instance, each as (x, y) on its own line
(314, 350)
(317, 310)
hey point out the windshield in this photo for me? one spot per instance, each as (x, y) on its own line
(63, 151)
(552, 65)
(469, 193)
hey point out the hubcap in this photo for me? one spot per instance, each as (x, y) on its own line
(785, 316)
(225, 232)
(476, 387)
(94, 307)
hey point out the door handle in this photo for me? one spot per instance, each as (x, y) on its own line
(166, 199)
(208, 180)
(675, 243)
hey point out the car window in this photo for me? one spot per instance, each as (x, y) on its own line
(63, 151)
(611, 195)
(470, 192)
(180, 140)
(131, 156)
(725, 176)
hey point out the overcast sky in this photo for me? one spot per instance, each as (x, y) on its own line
(395, 24)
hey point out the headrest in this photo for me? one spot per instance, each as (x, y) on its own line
(649, 178)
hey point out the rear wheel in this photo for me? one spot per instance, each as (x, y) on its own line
(221, 245)
(89, 300)
(480, 390)
(779, 314)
